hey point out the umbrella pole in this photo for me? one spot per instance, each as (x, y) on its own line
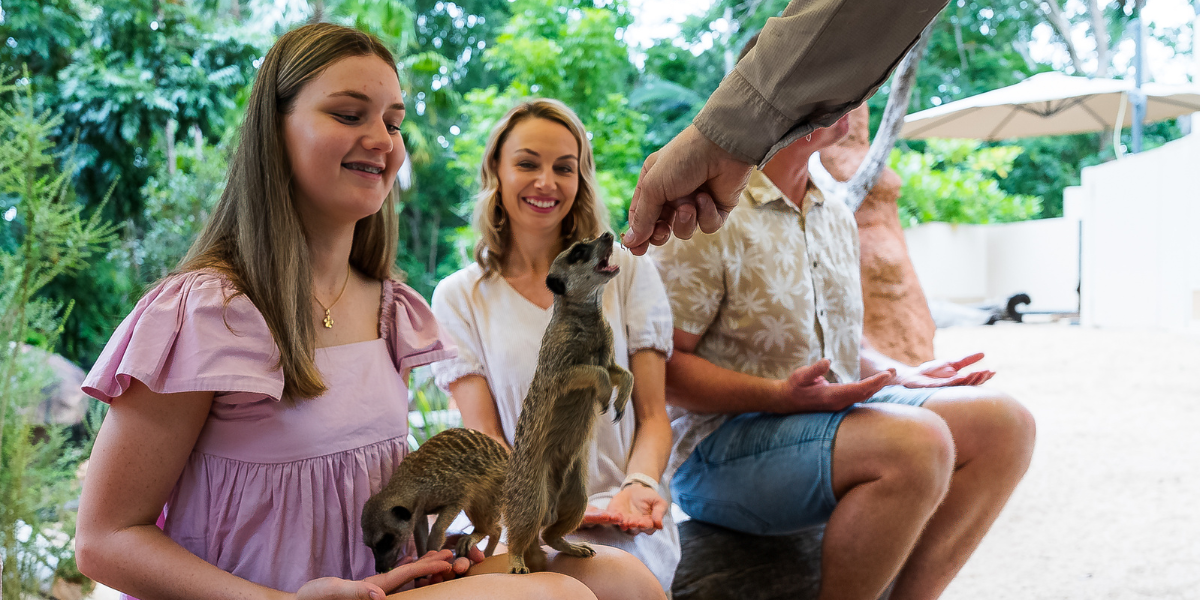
(1139, 73)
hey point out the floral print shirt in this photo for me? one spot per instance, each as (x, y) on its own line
(776, 288)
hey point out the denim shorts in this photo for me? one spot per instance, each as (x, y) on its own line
(770, 474)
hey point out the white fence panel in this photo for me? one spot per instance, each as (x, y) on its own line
(1141, 244)
(977, 263)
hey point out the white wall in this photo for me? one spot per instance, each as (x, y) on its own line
(977, 263)
(950, 260)
(1040, 258)
(1141, 239)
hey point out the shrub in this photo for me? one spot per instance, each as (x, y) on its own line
(957, 181)
(47, 237)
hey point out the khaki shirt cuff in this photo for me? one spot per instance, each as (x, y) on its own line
(740, 120)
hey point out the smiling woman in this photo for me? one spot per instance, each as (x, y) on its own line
(539, 170)
(538, 196)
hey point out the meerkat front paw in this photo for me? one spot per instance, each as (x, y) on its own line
(463, 547)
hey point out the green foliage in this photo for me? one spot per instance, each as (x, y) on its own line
(430, 411)
(51, 239)
(120, 72)
(570, 51)
(669, 106)
(146, 63)
(565, 51)
(958, 181)
(44, 34)
(177, 207)
(617, 133)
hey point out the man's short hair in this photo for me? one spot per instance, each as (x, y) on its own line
(749, 45)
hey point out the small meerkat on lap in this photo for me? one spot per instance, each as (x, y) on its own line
(454, 471)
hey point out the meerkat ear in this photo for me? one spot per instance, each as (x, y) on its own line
(401, 513)
(556, 284)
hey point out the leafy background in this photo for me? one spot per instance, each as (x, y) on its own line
(151, 91)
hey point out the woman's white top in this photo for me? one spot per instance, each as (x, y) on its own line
(499, 333)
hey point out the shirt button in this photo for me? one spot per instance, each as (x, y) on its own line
(814, 264)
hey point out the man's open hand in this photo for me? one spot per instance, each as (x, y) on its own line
(807, 390)
(689, 181)
(945, 373)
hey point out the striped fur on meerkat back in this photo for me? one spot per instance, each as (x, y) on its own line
(546, 491)
(453, 471)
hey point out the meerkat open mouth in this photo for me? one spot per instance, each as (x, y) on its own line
(602, 265)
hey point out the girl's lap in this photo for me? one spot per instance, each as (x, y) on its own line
(502, 586)
(611, 574)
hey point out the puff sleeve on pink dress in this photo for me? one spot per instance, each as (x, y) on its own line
(184, 336)
(273, 490)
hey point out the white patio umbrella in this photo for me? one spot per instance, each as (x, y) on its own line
(1049, 104)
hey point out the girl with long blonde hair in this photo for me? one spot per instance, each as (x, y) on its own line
(538, 195)
(259, 394)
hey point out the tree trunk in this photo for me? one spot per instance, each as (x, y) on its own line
(893, 117)
(1059, 22)
(431, 267)
(1100, 32)
(958, 40)
(171, 127)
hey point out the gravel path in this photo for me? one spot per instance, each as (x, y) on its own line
(1110, 507)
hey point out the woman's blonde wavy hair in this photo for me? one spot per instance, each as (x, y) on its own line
(588, 217)
(255, 237)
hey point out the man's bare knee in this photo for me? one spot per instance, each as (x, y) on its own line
(921, 455)
(1013, 433)
(906, 449)
(989, 425)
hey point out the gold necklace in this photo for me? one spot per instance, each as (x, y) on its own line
(328, 322)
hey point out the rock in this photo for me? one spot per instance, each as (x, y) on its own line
(65, 403)
(66, 590)
(896, 318)
(62, 402)
(721, 564)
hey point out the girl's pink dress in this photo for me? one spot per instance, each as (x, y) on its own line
(273, 492)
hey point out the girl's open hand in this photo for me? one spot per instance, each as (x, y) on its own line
(376, 587)
(639, 508)
(594, 516)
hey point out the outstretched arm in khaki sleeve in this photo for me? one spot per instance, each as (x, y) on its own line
(812, 64)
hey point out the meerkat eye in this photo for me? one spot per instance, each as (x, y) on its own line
(401, 513)
(578, 254)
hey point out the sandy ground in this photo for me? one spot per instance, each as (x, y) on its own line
(1110, 507)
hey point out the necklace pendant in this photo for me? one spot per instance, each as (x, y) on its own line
(328, 320)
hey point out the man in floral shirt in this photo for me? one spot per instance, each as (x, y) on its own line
(783, 420)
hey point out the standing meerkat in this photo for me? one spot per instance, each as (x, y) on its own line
(453, 471)
(546, 490)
